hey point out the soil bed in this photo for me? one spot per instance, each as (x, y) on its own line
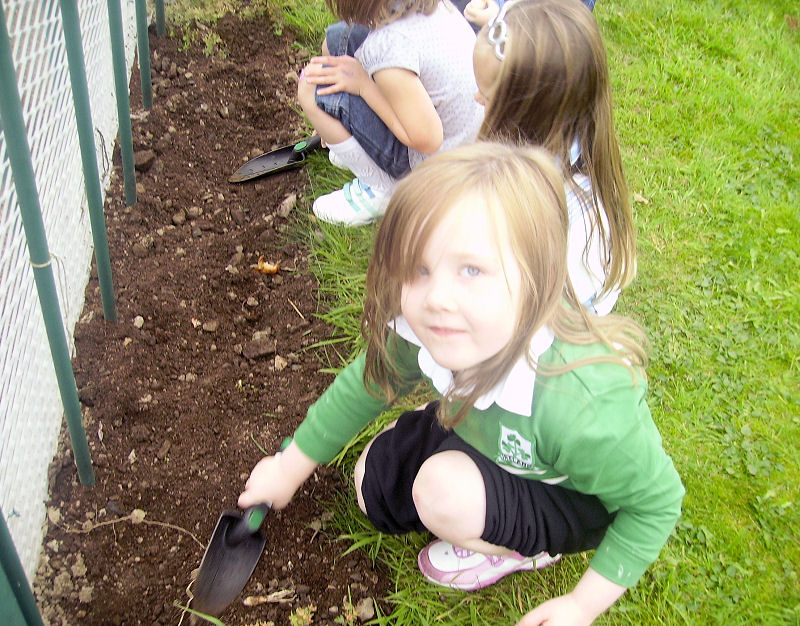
(209, 357)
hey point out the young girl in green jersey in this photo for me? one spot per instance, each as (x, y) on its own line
(542, 443)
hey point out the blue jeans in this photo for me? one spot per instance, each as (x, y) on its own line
(388, 152)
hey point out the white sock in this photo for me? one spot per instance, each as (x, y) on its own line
(361, 164)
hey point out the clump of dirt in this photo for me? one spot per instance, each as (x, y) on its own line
(209, 360)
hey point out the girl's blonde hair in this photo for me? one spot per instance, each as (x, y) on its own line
(524, 192)
(375, 13)
(553, 89)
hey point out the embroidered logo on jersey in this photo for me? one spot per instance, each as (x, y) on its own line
(517, 451)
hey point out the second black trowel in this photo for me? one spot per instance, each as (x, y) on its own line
(279, 160)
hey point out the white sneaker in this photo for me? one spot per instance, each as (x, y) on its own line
(354, 204)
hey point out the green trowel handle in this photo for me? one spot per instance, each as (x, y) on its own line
(253, 516)
(251, 521)
(308, 145)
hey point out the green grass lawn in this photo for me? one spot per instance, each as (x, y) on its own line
(708, 102)
(707, 99)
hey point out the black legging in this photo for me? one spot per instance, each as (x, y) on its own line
(525, 515)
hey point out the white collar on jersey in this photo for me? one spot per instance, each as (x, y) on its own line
(514, 393)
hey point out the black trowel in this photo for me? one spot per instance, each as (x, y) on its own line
(231, 556)
(229, 560)
(279, 160)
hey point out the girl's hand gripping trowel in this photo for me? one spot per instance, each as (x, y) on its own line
(230, 558)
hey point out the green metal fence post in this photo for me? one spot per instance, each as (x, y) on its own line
(144, 53)
(91, 175)
(123, 101)
(19, 155)
(12, 569)
(160, 20)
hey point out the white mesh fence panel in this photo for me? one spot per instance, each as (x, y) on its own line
(31, 413)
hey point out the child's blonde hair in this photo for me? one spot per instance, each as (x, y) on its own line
(553, 90)
(521, 188)
(375, 13)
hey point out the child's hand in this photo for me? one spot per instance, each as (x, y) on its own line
(479, 12)
(264, 485)
(562, 610)
(342, 73)
(275, 479)
(592, 595)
